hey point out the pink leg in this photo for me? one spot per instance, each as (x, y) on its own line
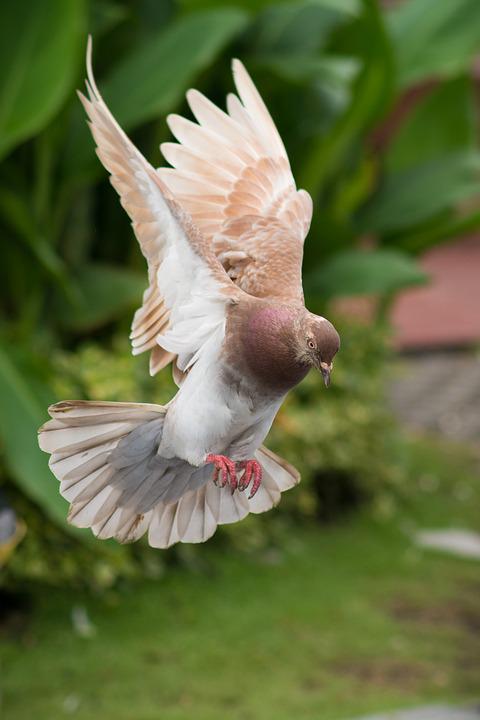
(251, 468)
(226, 468)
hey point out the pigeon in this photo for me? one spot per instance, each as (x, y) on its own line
(222, 231)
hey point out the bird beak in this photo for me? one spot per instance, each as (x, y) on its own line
(326, 369)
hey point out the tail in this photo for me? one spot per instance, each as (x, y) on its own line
(105, 456)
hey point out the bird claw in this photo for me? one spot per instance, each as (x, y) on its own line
(226, 473)
(251, 468)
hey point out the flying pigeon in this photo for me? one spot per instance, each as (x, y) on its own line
(222, 232)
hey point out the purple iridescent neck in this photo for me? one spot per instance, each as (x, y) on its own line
(271, 348)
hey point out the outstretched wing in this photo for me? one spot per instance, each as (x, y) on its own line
(232, 175)
(185, 303)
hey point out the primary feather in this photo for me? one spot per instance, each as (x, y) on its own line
(182, 268)
(232, 175)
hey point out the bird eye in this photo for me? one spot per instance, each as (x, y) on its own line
(311, 345)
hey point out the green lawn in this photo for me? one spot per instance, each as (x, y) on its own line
(336, 622)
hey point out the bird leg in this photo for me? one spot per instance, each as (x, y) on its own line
(251, 468)
(225, 468)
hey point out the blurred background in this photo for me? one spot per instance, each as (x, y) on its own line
(360, 592)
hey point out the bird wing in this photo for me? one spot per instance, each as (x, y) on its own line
(189, 290)
(232, 175)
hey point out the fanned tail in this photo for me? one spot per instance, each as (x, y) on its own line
(105, 456)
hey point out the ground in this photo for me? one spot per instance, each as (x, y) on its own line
(332, 623)
(439, 392)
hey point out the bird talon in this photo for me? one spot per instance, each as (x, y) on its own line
(257, 478)
(225, 473)
(250, 468)
(225, 468)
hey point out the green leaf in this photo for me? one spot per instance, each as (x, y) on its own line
(411, 196)
(327, 70)
(17, 214)
(294, 27)
(371, 95)
(39, 52)
(357, 272)
(105, 293)
(438, 41)
(153, 78)
(443, 121)
(20, 417)
(444, 227)
(349, 7)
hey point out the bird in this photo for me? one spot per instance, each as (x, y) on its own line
(222, 231)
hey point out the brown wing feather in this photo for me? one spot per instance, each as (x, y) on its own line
(232, 175)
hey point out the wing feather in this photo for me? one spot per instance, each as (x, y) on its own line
(232, 175)
(185, 302)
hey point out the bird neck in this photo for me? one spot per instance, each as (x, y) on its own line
(270, 347)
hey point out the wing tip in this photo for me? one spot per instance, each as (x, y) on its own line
(237, 64)
(192, 93)
(91, 84)
(240, 73)
(89, 57)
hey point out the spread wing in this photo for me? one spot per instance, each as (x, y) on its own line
(186, 301)
(232, 175)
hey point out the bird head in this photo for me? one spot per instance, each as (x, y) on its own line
(318, 343)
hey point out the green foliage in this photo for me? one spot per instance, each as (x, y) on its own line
(331, 72)
(416, 194)
(102, 289)
(443, 121)
(166, 74)
(358, 272)
(20, 418)
(435, 41)
(34, 84)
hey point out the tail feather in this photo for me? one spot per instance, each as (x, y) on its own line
(105, 456)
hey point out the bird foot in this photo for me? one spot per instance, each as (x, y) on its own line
(225, 473)
(252, 469)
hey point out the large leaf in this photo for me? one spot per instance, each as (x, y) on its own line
(412, 196)
(16, 211)
(440, 229)
(442, 122)
(294, 27)
(152, 79)
(371, 95)
(434, 39)
(105, 292)
(20, 417)
(327, 70)
(357, 272)
(349, 7)
(39, 52)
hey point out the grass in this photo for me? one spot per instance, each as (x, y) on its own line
(333, 623)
